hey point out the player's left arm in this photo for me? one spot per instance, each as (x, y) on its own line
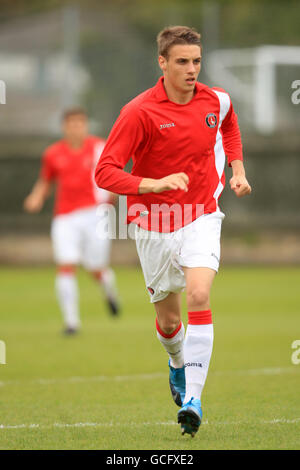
(233, 149)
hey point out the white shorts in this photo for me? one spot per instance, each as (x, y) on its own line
(75, 240)
(162, 255)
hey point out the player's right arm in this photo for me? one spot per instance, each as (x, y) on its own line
(174, 181)
(41, 190)
(129, 136)
(36, 199)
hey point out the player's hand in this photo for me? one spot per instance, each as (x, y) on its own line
(33, 204)
(240, 185)
(168, 183)
(172, 182)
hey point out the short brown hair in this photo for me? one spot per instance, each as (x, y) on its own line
(173, 35)
(73, 112)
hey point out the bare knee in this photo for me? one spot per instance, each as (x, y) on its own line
(168, 324)
(198, 298)
(168, 313)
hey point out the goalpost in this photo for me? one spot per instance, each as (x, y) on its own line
(255, 84)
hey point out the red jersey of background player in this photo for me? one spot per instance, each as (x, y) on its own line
(73, 171)
(162, 137)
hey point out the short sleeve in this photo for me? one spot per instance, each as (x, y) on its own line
(48, 172)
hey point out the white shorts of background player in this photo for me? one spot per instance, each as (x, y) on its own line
(75, 240)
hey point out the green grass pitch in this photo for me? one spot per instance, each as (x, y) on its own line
(107, 388)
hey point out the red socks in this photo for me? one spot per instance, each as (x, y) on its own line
(202, 317)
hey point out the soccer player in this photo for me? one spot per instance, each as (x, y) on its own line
(179, 134)
(70, 163)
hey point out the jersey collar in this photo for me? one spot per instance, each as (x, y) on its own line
(161, 94)
(77, 150)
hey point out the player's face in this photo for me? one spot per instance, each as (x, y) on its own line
(182, 66)
(75, 127)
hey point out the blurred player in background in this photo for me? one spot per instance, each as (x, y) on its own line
(70, 163)
(178, 133)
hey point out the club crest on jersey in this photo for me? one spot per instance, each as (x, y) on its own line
(211, 120)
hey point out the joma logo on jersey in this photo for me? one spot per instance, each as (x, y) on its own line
(169, 124)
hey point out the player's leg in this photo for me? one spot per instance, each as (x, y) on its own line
(199, 258)
(106, 278)
(199, 333)
(96, 258)
(65, 239)
(164, 282)
(198, 345)
(67, 296)
(170, 332)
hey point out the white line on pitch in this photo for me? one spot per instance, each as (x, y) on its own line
(163, 423)
(84, 379)
(262, 371)
(137, 377)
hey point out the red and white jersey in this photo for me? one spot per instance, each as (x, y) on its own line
(162, 138)
(73, 172)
